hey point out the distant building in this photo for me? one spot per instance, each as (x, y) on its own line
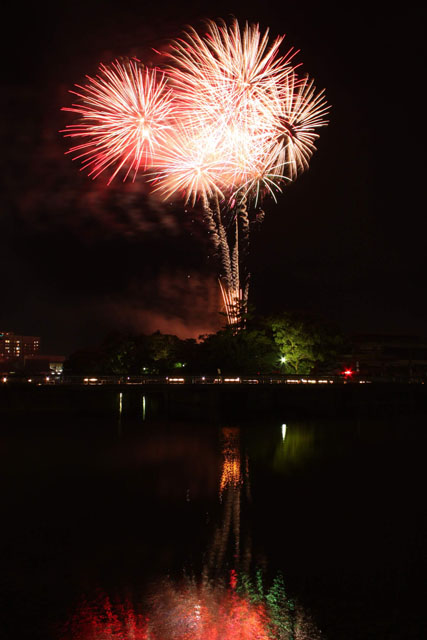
(13, 346)
(389, 356)
(44, 364)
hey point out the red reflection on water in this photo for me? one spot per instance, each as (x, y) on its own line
(207, 612)
(105, 621)
(190, 612)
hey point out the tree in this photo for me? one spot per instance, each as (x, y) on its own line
(164, 352)
(247, 351)
(128, 355)
(119, 354)
(303, 343)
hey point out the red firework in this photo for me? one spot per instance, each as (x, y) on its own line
(126, 113)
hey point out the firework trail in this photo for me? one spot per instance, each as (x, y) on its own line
(225, 251)
(235, 259)
(211, 224)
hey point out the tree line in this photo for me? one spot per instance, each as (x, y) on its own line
(288, 343)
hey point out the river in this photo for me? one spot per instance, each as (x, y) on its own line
(142, 528)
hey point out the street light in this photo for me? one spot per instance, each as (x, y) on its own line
(282, 362)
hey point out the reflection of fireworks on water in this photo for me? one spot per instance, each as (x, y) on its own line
(211, 608)
(240, 610)
(231, 475)
(105, 620)
(207, 612)
(230, 495)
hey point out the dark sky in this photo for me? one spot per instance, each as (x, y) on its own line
(346, 242)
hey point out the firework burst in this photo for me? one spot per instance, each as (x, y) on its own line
(299, 111)
(126, 113)
(227, 123)
(191, 165)
(227, 80)
(256, 120)
(231, 68)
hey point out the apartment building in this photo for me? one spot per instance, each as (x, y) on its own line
(14, 346)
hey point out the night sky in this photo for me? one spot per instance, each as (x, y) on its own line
(346, 242)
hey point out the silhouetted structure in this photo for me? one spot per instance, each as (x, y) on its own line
(389, 356)
(15, 346)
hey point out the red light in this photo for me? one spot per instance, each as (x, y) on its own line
(348, 372)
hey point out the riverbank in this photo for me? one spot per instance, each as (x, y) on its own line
(215, 401)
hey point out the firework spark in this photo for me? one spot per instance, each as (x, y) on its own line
(126, 113)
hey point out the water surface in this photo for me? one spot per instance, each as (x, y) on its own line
(110, 522)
